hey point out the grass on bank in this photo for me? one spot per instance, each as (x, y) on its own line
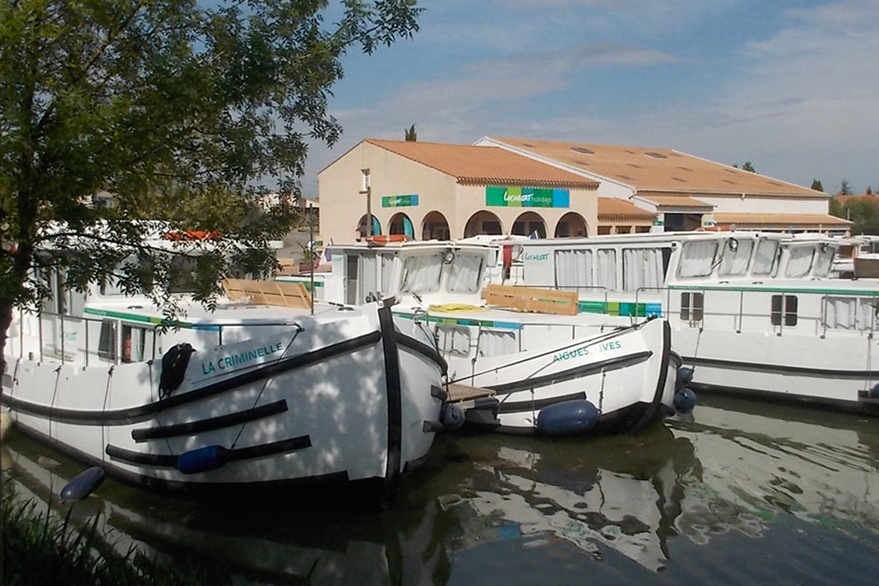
(40, 548)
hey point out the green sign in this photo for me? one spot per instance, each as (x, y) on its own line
(399, 201)
(527, 197)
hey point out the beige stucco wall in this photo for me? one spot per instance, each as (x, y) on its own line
(768, 205)
(342, 205)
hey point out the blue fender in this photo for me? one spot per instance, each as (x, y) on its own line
(568, 418)
(83, 485)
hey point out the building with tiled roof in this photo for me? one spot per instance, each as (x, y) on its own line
(614, 214)
(683, 191)
(432, 190)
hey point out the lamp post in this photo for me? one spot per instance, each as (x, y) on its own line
(367, 191)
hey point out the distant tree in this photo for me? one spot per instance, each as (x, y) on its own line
(869, 191)
(411, 135)
(816, 185)
(844, 188)
(864, 212)
(748, 167)
(836, 208)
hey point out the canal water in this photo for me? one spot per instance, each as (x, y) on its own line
(737, 492)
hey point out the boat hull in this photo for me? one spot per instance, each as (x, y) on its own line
(628, 375)
(339, 401)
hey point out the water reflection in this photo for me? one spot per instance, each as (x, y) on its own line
(674, 498)
(762, 460)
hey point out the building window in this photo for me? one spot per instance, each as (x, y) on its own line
(491, 227)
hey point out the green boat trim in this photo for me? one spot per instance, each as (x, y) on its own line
(151, 320)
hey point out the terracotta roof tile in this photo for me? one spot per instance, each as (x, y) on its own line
(659, 170)
(666, 200)
(611, 208)
(472, 165)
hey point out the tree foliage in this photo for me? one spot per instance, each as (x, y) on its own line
(179, 109)
(862, 211)
(747, 166)
(844, 188)
(410, 134)
(816, 185)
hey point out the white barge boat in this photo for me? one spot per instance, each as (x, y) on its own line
(751, 313)
(548, 369)
(262, 392)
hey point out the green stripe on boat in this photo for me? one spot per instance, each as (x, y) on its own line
(145, 319)
(620, 308)
(771, 289)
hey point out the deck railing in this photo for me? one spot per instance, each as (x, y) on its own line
(47, 335)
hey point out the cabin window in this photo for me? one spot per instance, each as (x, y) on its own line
(183, 270)
(573, 269)
(368, 278)
(107, 340)
(351, 266)
(784, 307)
(387, 262)
(497, 342)
(692, 306)
(765, 257)
(643, 268)
(800, 262)
(421, 274)
(735, 258)
(697, 259)
(850, 313)
(453, 340)
(824, 260)
(134, 343)
(465, 273)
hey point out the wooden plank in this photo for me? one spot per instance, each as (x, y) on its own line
(234, 289)
(458, 392)
(533, 299)
(295, 294)
(268, 293)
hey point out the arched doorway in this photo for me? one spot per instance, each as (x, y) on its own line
(435, 227)
(571, 225)
(529, 223)
(483, 222)
(360, 231)
(401, 224)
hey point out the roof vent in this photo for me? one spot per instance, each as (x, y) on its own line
(584, 150)
(634, 165)
(529, 145)
(730, 182)
(626, 177)
(655, 155)
(685, 168)
(776, 183)
(679, 179)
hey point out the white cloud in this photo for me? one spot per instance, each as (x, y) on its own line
(799, 103)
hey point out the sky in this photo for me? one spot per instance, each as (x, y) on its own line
(790, 85)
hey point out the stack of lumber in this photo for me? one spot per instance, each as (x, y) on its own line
(268, 293)
(532, 299)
